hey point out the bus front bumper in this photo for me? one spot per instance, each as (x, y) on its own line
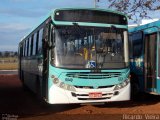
(60, 96)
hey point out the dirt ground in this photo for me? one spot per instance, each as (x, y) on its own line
(19, 104)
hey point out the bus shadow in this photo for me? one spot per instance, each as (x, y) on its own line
(142, 100)
(25, 104)
(41, 108)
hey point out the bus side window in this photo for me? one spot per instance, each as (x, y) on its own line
(25, 42)
(29, 46)
(52, 44)
(37, 42)
(24, 48)
(34, 43)
(40, 41)
(136, 44)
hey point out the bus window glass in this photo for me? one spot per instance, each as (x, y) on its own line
(34, 43)
(40, 41)
(136, 44)
(77, 47)
(26, 42)
(29, 46)
(24, 45)
(26, 50)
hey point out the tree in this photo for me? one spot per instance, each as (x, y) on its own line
(135, 8)
(6, 54)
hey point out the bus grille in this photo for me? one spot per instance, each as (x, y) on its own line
(91, 87)
(94, 98)
(86, 96)
(94, 75)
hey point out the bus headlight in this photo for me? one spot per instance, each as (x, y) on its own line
(55, 80)
(122, 85)
(71, 88)
(62, 85)
(67, 87)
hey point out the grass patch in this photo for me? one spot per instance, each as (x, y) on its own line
(8, 63)
(11, 59)
(8, 66)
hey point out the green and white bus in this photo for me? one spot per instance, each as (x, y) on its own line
(77, 55)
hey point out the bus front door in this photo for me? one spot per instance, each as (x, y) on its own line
(150, 62)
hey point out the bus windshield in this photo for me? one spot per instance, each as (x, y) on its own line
(82, 47)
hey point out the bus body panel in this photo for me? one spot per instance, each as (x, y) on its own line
(158, 86)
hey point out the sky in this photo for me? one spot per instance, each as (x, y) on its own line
(17, 17)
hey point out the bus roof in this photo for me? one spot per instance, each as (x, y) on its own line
(54, 10)
(148, 28)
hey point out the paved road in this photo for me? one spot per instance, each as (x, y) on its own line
(7, 72)
(17, 103)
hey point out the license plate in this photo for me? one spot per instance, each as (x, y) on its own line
(95, 95)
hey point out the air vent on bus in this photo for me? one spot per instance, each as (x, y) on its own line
(94, 98)
(91, 87)
(85, 96)
(94, 75)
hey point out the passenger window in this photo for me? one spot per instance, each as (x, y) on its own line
(29, 46)
(40, 41)
(26, 41)
(34, 43)
(24, 48)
